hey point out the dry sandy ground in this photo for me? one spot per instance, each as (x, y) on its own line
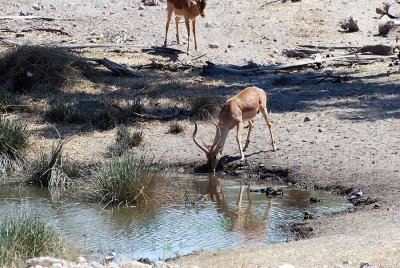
(352, 140)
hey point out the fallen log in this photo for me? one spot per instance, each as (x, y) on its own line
(351, 59)
(116, 68)
(50, 30)
(162, 50)
(164, 67)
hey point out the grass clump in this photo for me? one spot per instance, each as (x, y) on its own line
(175, 128)
(64, 113)
(14, 138)
(25, 237)
(124, 141)
(42, 168)
(203, 107)
(31, 68)
(131, 180)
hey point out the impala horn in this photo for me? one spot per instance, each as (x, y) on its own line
(204, 149)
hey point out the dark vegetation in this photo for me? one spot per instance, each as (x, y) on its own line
(124, 141)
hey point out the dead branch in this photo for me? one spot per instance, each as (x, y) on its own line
(51, 30)
(31, 18)
(344, 60)
(79, 46)
(6, 30)
(116, 68)
(299, 53)
(164, 67)
(155, 117)
(162, 50)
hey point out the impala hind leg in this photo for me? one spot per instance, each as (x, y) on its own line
(194, 33)
(251, 124)
(239, 138)
(170, 9)
(177, 29)
(265, 115)
(188, 33)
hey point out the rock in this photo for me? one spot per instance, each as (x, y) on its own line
(308, 215)
(376, 206)
(151, 2)
(141, 7)
(82, 260)
(367, 265)
(307, 119)
(231, 45)
(37, 7)
(209, 24)
(320, 130)
(213, 45)
(19, 35)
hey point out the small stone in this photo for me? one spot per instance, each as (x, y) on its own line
(141, 7)
(37, 7)
(81, 260)
(231, 45)
(29, 74)
(307, 119)
(209, 24)
(376, 206)
(213, 45)
(308, 215)
(320, 130)
(19, 35)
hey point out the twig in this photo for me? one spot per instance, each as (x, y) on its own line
(155, 117)
(271, 2)
(51, 30)
(200, 56)
(78, 46)
(31, 18)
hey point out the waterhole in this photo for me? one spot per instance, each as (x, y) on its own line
(209, 219)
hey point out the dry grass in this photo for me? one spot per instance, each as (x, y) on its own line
(39, 68)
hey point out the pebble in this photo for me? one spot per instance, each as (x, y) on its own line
(213, 45)
(307, 119)
(141, 7)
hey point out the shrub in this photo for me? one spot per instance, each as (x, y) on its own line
(64, 112)
(31, 68)
(14, 138)
(137, 106)
(25, 237)
(124, 141)
(131, 180)
(203, 107)
(175, 128)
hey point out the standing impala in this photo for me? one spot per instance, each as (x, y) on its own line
(189, 10)
(244, 106)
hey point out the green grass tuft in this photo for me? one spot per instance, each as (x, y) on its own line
(64, 113)
(131, 180)
(175, 128)
(25, 237)
(124, 141)
(14, 138)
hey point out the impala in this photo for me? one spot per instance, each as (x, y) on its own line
(189, 10)
(244, 106)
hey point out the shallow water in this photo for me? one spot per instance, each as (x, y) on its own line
(211, 221)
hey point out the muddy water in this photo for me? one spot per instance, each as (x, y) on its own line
(210, 219)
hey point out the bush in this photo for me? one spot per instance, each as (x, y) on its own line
(14, 138)
(26, 237)
(203, 107)
(175, 128)
(31, 68)
(60, 113)
(124, 141)
(131, 180)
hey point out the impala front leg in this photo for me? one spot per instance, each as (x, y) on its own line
(194, 33)
(239, 138)
(169, 15)
(177, 29)
(248, 135)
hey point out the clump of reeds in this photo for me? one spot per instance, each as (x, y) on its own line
(42, 170)
(124, 141)
(14, 138)
(27, 236)
(31, 68)
(130, 180)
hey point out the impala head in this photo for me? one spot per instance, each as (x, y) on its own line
(212, 151)
(202, 7)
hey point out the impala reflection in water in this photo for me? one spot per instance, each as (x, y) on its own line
(214, 220)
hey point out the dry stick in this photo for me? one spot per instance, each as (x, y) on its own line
(114, 67)
(78, 46)
(155, 117)
(271, 2)
(31, 18)
(51, 30)
(200, 56)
